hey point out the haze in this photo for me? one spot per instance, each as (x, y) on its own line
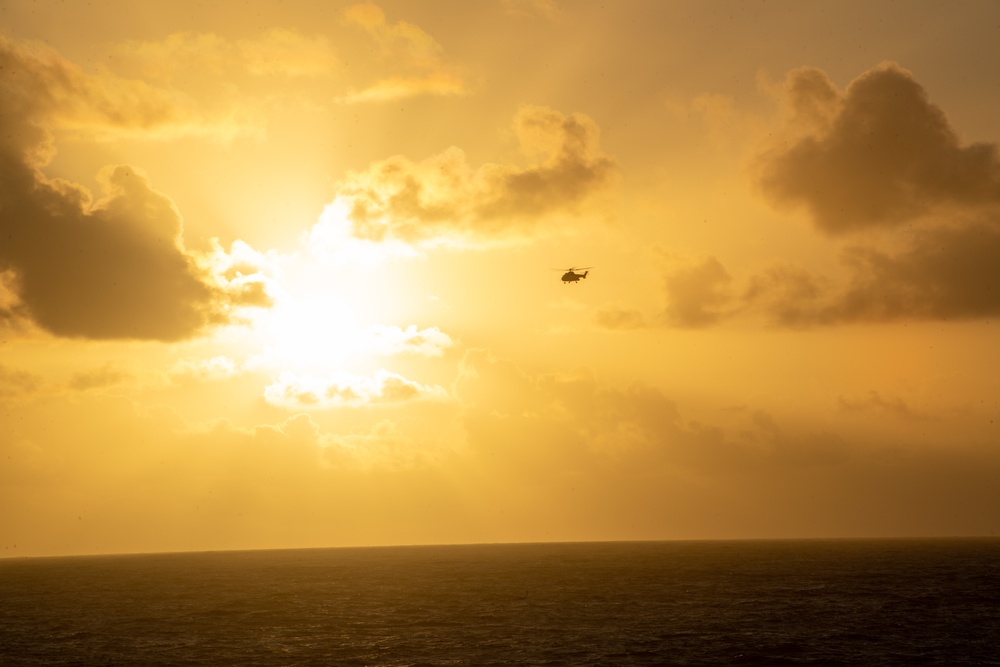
(280, 275)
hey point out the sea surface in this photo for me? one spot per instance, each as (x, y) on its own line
(812, 602)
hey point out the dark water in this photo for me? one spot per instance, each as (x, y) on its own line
(898, 602)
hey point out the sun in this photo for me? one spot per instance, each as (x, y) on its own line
(332, 299)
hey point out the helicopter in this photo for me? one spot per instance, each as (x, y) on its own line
(571, 275)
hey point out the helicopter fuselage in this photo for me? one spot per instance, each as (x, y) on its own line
(572, 277)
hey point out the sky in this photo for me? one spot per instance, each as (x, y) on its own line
(287, 274)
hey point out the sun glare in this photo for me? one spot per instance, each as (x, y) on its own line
(315, 332)
(332, 238)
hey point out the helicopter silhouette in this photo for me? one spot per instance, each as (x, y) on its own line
(571, 275)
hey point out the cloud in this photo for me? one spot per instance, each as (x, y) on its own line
(390, 340)
(876, 155)
(442, 198)
(112, 269)
(292, 391)
(698, 295)
(105, 376)
(275, 53)
(874, 401)
(115, 268)
(870, 158)
(408, 49)
(938, 273)
(43, 91)
(245, 274)
(383, 446)
(15, 383)
(536, 456)
(944, 272)
(547, 9)
(392, 88)
(619, 319)
(244, 73)
(558, 423)
(201, 370)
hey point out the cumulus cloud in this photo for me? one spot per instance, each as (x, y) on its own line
(443, 198)
(111, 268)
(389, 340)
(876, 155)
(115, 268)
(867, 159)
(347, 390)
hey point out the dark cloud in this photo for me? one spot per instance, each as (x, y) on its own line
(938, 273)
(114, 268)
(875, 156)
(943, 273)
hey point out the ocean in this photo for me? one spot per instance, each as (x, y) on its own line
(780, 602)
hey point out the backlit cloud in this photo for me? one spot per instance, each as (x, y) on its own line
(202, 370)
(43, 89)
(111, 268)
(443, 198)
(346, 390)
(415, 58)
(390, 340)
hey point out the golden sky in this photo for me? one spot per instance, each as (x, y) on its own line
(288, 274)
